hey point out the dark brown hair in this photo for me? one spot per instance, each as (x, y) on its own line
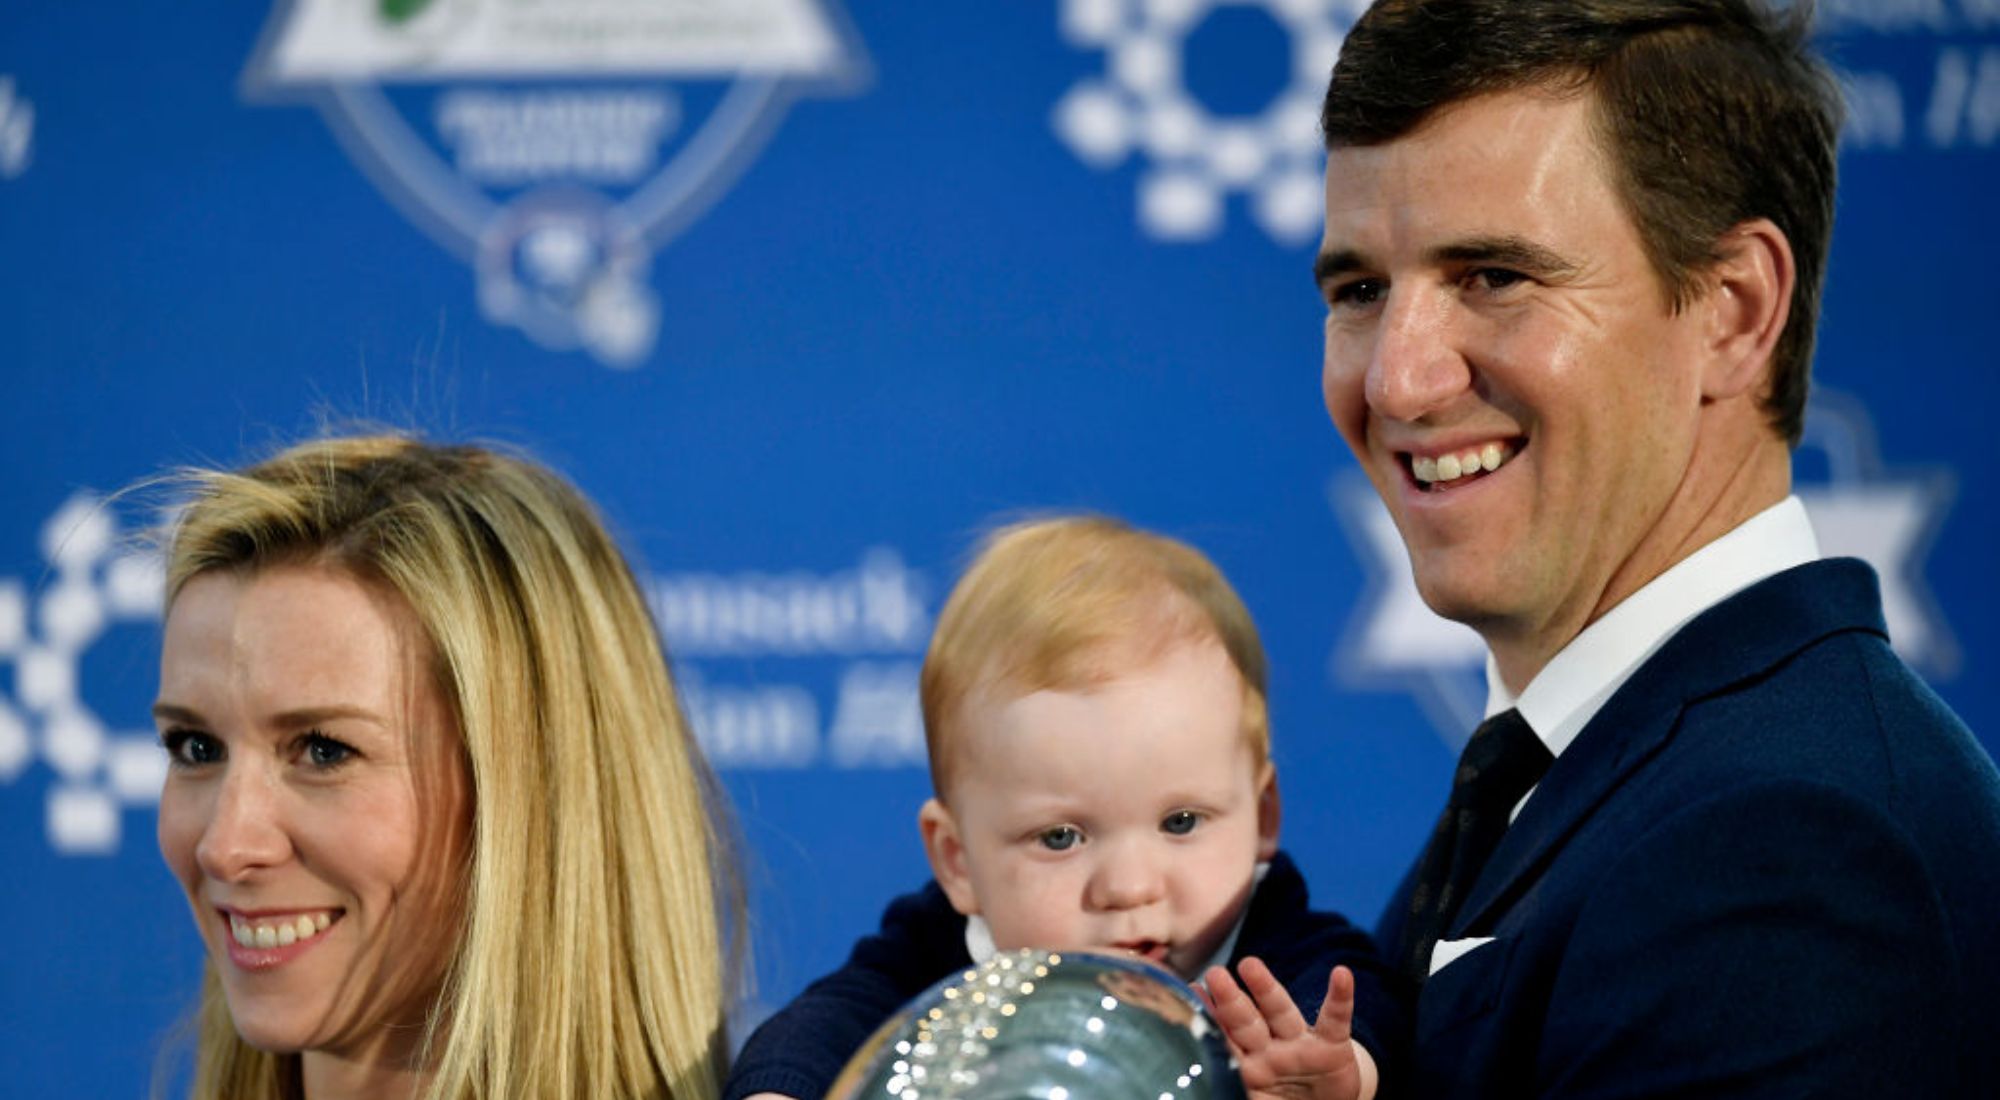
(1714, 112)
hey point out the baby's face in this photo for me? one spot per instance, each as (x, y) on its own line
(1129, 817)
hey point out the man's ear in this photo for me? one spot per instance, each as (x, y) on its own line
(1748, 300)
(946, 850)
(1268, 812)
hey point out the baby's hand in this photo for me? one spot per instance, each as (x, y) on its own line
(1280, 1057)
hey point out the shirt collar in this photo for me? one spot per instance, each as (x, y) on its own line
(1577, 681)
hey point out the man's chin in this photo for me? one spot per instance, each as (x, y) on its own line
(1471, 596)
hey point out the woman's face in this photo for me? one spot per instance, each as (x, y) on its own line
(317, 809)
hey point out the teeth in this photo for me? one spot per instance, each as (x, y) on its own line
(1463, 464)
(281, 933)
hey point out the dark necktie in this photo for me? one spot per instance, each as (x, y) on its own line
(1503, 761)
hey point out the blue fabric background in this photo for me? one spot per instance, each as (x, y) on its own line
(914, 310)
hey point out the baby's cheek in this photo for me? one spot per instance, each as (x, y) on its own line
(1033, 915)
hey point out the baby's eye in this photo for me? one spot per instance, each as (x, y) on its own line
(190, 748)
(1180, 822)
(325, 753)
(1060, 838)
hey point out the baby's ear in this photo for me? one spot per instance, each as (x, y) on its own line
(947, 855)
(1268, 812)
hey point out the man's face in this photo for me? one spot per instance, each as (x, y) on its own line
(1489, 298)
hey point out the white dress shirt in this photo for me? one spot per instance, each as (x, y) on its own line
(1577, 681)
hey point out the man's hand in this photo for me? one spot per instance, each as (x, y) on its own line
(1279, 1056)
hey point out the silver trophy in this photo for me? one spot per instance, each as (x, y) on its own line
(1042, 1025)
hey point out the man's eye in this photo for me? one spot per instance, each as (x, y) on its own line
(1180, 822)
(1358, 292)
(190, 748)
(325, 753)
(1060, 838)
(1494, 278)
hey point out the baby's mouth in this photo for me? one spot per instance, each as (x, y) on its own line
(1435, 473)
(1151, 950)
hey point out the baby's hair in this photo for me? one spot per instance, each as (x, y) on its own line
(1067, 602)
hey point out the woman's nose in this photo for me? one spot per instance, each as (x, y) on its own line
(245, 830)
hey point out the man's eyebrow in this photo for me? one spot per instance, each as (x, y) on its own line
(1328, 265)
(1516, 252)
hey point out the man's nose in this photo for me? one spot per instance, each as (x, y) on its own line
(245, 830)
(1416, 367)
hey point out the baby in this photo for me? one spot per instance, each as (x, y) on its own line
(1094, 706)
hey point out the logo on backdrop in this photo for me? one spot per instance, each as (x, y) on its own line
(95, 580)
(1916, 75)
(749, 648)
(1196, 158)
(557, 145)
(17, 130)
(755, 655)
(1859, 509)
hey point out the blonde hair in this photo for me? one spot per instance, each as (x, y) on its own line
(1070, 601)
(601, 909)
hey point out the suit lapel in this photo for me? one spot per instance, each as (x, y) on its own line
(1742, 637)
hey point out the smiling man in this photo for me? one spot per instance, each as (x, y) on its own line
(1714, 838)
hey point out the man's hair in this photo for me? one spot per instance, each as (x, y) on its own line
(1712, 113)
(1070, 602)
(592, 953)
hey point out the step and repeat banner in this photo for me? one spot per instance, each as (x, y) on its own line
(807, 294)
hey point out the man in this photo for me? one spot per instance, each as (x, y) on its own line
(1572, 259)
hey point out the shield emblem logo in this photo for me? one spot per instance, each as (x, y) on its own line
(555, 145)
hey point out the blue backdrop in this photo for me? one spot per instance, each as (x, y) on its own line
(805, 297)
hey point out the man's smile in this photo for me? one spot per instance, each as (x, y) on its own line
(1459, 465)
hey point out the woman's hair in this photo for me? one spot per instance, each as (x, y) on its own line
(601, 909)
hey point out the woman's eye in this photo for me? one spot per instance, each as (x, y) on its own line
(1060, 839)
(190, 748)
(324, 752)
(1180, 822)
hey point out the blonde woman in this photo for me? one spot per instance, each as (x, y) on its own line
(439, 818)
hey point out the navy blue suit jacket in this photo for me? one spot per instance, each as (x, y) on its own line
(800, 1049)
(1769, 866)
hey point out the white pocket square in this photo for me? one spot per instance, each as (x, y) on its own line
(1447, 952)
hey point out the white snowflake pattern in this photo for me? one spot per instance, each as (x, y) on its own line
(95, 580)
(1196, 158)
